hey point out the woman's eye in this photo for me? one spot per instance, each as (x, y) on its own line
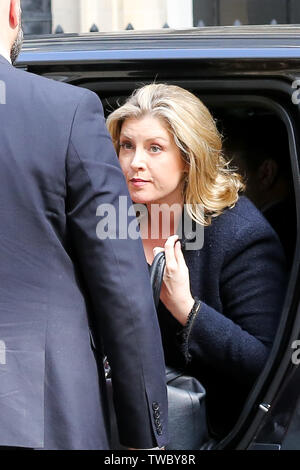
(126, 145)
(155, 148)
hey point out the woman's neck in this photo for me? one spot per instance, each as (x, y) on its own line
(161, 221)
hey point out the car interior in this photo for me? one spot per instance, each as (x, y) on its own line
(258, 144)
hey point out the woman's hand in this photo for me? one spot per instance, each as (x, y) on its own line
(175, 292)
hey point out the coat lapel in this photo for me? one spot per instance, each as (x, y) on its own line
(4, 61)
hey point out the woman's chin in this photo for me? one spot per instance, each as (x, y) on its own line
(138, 199)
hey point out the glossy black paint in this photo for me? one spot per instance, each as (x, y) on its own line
(224, 50)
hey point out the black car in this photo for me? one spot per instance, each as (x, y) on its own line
(249, 77)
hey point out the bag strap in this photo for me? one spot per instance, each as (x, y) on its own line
(156, 275)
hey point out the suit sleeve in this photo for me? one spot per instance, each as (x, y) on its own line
(116, 278)
(253, 282)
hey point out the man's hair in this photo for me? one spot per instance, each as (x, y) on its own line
(257, 139)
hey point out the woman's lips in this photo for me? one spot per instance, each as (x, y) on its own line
(138, 182)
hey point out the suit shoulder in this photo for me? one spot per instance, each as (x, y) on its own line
(52, 88)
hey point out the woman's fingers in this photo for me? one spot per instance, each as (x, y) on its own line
(171, 262)
(173, 252)
(178, 253)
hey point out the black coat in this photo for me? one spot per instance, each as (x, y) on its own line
(240, 277)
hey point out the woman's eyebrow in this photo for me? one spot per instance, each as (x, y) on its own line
(157, 137)
(150, 138)
(125, 135)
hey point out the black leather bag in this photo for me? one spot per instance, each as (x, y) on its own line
(186, 396)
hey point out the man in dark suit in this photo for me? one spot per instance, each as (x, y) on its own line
(259, 147)
(60, 279)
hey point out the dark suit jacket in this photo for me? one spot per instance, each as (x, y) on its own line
(240, 278)
(282, 217)
(58, 280)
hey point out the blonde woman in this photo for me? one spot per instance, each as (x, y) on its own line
(220, 304)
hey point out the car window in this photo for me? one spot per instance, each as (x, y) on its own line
(256, 143)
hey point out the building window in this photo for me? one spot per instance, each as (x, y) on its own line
(229, 12)
(36, 16)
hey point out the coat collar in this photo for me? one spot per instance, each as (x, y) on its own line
(3, 59)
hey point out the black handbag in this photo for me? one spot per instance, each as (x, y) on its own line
(186, 396)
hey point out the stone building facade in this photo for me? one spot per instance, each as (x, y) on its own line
(79, 16)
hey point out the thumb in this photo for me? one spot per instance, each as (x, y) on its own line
(157, 250)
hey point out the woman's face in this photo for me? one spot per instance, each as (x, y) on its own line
(151, 161)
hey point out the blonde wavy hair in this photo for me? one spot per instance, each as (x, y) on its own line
(210, 182)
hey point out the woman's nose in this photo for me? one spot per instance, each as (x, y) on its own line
(138, 160)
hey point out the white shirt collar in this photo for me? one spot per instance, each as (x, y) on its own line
(5, 53)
